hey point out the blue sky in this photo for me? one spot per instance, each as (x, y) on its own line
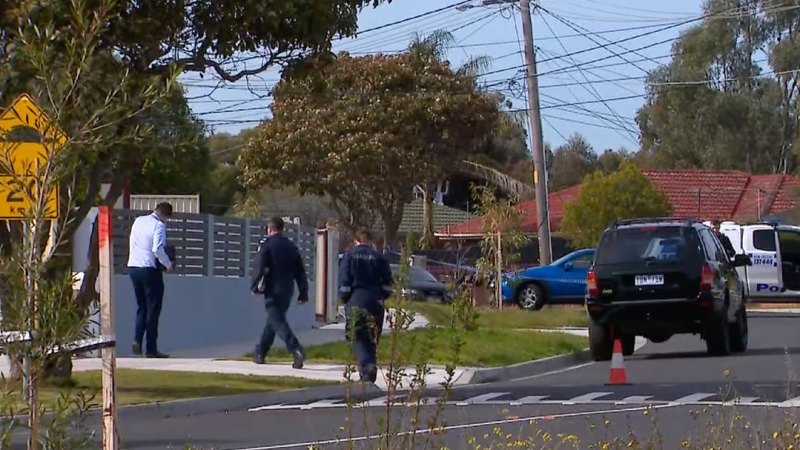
(584, 87)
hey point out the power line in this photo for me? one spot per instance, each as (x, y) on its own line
(630, 38)
(591, 89)
(412, 18)
(575, 27)
(405, 34)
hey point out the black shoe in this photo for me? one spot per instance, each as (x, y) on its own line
(259, 359)
(158, 355)
(299, 358)
(137, 349)
(370, 374)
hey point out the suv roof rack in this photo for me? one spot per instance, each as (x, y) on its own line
(684, 220)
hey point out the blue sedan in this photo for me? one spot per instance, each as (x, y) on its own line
(563, 281)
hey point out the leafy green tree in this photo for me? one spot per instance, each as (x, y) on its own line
(571, 162)
(177, 157)
(495, 147)
(364, 131)
(501, 225)
(225, 190)
(713, 106)
(611, 160)
(100, 68)
(604, 198)
(148, 43)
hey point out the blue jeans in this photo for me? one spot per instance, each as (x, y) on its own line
(277, 325)
(148, 285)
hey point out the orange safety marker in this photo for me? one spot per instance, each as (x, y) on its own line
(618, 374)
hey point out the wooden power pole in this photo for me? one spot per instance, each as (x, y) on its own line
(537, 144)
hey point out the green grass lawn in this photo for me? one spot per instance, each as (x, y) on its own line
(549, 317)
(501, 338)
(148, 386)
(484, 347)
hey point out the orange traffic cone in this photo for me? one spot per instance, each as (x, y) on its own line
(618, 375)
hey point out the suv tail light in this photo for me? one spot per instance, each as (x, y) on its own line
(591, 284)
(707, 277)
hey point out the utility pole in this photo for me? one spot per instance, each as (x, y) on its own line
(536, 140)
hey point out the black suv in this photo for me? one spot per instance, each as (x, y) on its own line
(659, 277)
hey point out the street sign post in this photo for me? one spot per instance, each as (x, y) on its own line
(20, 162)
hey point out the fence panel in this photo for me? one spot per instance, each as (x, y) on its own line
(210, 245)
(303, 237)
(230, 248)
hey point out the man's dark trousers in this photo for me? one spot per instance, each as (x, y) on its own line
(277, 324)
(148, 285)
(364, 329)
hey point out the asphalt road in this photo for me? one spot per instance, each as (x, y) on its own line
(669, 384)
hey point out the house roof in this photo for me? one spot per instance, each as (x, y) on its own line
(558, 200)
(413, 217)
(692, 193)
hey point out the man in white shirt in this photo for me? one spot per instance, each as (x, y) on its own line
(147, 241)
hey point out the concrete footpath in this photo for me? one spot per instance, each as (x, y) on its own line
(314, 371)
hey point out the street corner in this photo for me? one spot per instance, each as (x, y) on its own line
(531, 369)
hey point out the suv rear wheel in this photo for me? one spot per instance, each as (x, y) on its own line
(738, 331)
(628, 344)
(601, 345)
(718, 342)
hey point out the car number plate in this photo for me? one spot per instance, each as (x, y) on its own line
(649, 280)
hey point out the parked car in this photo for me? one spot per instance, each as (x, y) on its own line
(660, 277)
(563, 281)
(421, 285)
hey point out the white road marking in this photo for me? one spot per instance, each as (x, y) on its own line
(529, 400)
(488, 399)
(741, 401)
(790, 403)
(585, 398)
(634, 399)
(273, 407)
(483, 398)
(693, 398)
(323, 404)
(464, 426)
(317, 404)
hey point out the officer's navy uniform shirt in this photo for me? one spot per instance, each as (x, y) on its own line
(366, 277)
(281, 264)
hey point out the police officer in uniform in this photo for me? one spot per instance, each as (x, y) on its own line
(365, 282)
(279, 266)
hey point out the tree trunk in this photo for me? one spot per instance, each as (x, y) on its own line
(428, 239)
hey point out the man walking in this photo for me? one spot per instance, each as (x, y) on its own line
(146, 250)
(366, 281)
(278, 267)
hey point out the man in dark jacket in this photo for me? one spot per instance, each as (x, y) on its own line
(726, 243)
(278, 267)
(366, 281)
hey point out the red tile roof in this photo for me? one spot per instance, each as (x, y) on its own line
(692, 193)
(558, 200)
